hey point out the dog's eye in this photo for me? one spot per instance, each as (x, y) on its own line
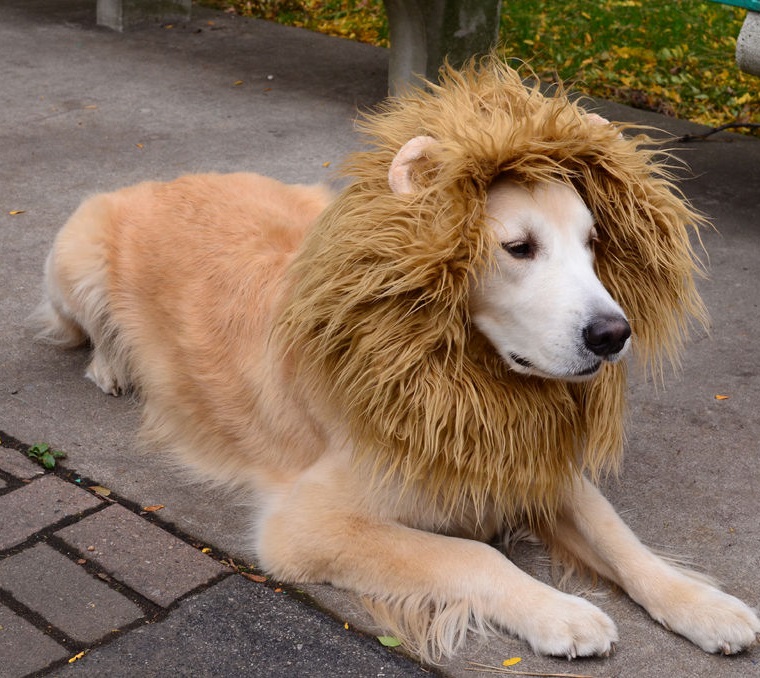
(520, 249)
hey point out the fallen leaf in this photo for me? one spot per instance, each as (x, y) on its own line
(389, 641)
(99, 489)
(326, 164)
(278, 590)
(77, 656)
(237, 83)
(13, 213)
(722, 397)
(345, 626)
(206, 550)
(140, 145)
(259, 579)
(511, 661)
(153, 507)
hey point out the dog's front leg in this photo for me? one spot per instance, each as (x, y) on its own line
(591, 530)
(427, 588)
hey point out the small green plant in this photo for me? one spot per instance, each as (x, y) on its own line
(44, 455)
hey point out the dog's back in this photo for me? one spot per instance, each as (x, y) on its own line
(175, 284)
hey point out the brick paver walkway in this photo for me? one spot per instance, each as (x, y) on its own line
(77, 569)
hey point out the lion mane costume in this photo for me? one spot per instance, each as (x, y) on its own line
(378, 310)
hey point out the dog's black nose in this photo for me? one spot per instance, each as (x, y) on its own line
(606, 335)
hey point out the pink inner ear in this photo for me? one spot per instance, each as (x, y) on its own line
(400, 173)
(596, 119)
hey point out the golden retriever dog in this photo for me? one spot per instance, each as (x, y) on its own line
(429, 358)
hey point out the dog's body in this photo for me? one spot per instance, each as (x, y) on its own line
(190, 293)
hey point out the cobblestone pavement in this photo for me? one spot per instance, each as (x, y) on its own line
(92, 579)
(78, 568)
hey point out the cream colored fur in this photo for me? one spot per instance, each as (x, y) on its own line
(181, 288)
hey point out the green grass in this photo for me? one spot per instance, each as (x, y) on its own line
(676, 57)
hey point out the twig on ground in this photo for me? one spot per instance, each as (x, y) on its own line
(715, 130)
(486, 668)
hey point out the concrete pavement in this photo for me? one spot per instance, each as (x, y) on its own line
(86, 110)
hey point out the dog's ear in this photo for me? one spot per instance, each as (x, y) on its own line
(410, 162)
(596, 119)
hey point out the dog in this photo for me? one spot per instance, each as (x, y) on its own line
(402, 371)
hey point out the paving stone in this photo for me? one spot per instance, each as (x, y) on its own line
(41, 503)
(65, 594)
(237, 628)
(15, 463)
(24, 648)
(148, 559)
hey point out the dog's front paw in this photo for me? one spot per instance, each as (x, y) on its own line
(711, 619)
(568, 626)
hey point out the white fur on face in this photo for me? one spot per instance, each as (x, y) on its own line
(542, 306)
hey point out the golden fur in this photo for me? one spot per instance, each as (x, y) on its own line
(320, 351)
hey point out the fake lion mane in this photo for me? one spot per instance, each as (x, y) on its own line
(378, 318)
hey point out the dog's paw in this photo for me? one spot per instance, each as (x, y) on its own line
(711, 619)
(568, 626)
(104, 378)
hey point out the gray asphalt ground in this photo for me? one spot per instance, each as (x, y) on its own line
(86, 110)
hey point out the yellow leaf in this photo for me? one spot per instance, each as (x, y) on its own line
(237, 83)
(77, 656)
(13, 213)
(99, 489)
(154, 507)
(512, 661)
(206, 549)
(722, 397)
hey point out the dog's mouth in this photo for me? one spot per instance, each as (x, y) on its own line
(588, 371)
(521, 361)
(579, 374)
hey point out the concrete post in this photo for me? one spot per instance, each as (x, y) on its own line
(121, 14)
(425, 32)
(748, 44)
